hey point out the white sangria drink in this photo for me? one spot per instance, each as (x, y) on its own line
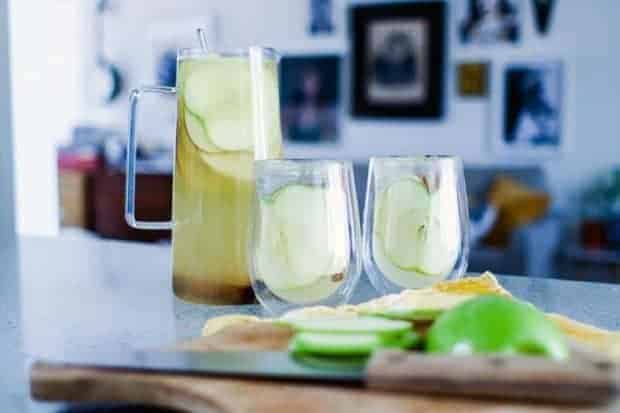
(302, 257)
(306, 229)
(418, 234)
(228, 116)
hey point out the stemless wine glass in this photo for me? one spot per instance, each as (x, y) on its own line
(304, 245)
(416, 223)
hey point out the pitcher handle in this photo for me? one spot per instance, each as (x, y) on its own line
(130, 173)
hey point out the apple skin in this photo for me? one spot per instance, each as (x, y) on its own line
(494, 324)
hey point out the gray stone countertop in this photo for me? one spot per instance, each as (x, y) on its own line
(61, 297)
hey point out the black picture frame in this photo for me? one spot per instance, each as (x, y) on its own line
(433, 16)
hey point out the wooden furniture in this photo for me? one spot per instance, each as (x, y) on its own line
(153, 202)
(76, 199)
(49, 382)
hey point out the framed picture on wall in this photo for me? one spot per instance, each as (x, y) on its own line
(532, 102)
(489, 22)
(321, 17)
(398, 60)
(310, 98)
(472, 79)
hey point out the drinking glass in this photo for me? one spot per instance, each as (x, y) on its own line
(305, 238)
(416, 224)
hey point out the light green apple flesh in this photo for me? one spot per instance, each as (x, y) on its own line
(360, 325)
(416, 237)
(303, 249)
(218, 92)
(196, 131)
(218, 114)
(238, 165)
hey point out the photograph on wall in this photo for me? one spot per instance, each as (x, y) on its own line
(532, 101)
(543, 12)
(398, 60)
(473, 79)
(489, 22)
(321, 17)
(310, 98)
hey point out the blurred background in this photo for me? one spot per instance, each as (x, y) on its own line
(523, 90)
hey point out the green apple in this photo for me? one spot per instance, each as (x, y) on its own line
(494, 324)
(302, 248)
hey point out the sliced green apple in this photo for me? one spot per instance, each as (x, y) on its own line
(416, 232)
(361, 325)
(221, 101)
(302, 250)
(407, 278)
(237, 165)
(443, 232)
(196, 131)
(403, 211)
(219, 92)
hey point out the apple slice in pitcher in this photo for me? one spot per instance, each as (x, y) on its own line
(197, 133)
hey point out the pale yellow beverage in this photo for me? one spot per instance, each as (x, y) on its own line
(302, 248)
(417, 235)
(228, 115)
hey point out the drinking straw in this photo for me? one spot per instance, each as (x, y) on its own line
(202, 38)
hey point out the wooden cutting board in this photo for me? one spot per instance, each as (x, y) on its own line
(201, 394)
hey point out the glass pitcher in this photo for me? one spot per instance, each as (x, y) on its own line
(228, 115)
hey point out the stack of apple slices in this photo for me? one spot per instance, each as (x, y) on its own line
(350, 337)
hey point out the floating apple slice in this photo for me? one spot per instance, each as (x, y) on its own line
(416, 233)
(301, 246)
(219, 93)
(196, 131)
(238, 165)
(320, 289)
(407, 278)
(439, 253)
(402, 215)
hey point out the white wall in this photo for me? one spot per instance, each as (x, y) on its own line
(581, 36)
(52, 55)
(7, 219)
(46, 64)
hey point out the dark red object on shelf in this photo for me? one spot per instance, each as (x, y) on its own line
(593, 234)
(79, 161)
(153, 200)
